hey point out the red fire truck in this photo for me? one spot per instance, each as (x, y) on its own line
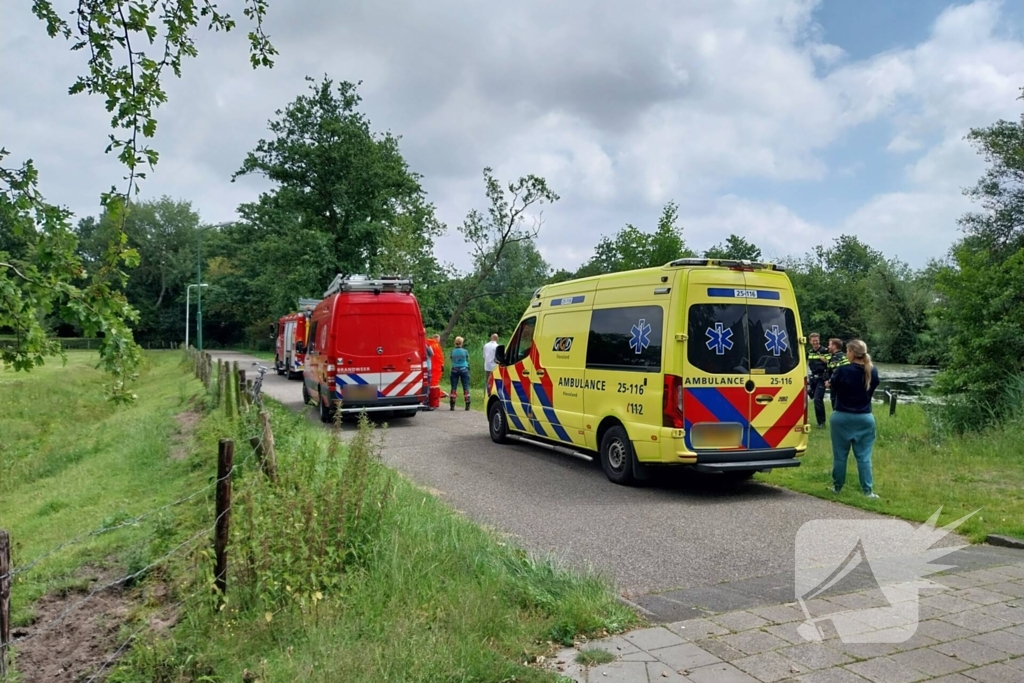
(366, 349)
(290, 349)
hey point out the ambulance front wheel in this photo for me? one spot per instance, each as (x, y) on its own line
(498, 421)
(617, 456)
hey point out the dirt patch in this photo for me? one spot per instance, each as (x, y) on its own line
(187, 422)
(83, 640)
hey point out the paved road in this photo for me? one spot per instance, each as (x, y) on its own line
(681, 536)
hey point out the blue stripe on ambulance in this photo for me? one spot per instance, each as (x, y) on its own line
(509, 410)
(549, 413)
(733, 293)
(524, 400)
(720, 407)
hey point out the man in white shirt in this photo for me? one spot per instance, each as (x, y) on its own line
(489, 363)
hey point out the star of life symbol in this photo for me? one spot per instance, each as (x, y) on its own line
(640, 337)
(719, 338)
(776, 340)
(890, 556)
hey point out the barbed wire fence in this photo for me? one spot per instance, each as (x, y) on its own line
(230, 385)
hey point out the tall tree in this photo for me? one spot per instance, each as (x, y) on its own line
(984, 292)
(129, 47)
(510, 219)
(631, 248)
(334, 176)
(162, 232)
(735, 247)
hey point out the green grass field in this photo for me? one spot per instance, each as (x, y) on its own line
(422, 594)
(72, 462)
(918, 468)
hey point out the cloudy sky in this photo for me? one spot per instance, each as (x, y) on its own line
(786, 121)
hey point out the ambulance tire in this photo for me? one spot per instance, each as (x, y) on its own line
(498, 422)
(617, 456)
(325, 410)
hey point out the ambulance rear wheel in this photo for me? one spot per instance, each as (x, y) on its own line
(617, 456)
(498, 421)
(325, 410)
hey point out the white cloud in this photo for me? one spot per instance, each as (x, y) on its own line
(901, 144)
(621, 106)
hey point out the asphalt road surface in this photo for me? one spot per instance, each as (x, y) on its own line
(673, 536)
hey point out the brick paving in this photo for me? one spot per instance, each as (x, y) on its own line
(971, 630)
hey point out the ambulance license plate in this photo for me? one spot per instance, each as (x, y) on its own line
(359, 392)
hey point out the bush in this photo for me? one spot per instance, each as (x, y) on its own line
(967, 412)
(295, 539)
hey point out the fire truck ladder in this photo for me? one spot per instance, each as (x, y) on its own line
(362, 283)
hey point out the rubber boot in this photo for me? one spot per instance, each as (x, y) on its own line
(467, 401)
(452, 398)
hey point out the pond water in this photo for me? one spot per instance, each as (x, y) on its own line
(912, 380)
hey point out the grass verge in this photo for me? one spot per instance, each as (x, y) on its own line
(72, 462)
(341, 570)
(344, 570)
(919, 467)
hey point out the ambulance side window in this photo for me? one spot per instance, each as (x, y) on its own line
(522, 340)
(625, 339)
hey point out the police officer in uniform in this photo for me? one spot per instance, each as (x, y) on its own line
(817, 364)
(837, 358)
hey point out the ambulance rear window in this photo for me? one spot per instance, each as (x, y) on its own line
(730, 339)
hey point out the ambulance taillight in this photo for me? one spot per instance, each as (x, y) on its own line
(806, 400)
(672, 402)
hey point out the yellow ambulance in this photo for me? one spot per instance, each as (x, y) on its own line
(699, 364)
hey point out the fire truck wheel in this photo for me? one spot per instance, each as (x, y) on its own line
(325, 411)
(278, 367)
(498, 422)
(617, 456)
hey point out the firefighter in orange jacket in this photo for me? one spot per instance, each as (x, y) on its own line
(436, 369)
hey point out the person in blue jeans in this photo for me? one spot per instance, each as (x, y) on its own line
(460, 371)
(853, 425)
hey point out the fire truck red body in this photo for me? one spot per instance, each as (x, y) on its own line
(289, 352)
(366, 349)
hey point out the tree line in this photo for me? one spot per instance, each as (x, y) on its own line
(345, 200)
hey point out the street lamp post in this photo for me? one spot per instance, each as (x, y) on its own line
(188, 293)
(199, 278)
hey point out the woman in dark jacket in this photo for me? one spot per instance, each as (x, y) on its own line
(852, 423)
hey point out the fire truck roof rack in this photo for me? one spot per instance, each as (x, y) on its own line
(307, 305)
(362, 283)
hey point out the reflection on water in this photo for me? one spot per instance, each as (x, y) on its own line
(906, 379)
(911, 382)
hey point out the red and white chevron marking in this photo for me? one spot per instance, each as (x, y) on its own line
(395, 384)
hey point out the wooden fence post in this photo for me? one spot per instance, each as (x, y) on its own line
(892, 403)
(229, 399)
(5, 599)
(220, 380)
(225, 464)
(268, 457)
(241, 390)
